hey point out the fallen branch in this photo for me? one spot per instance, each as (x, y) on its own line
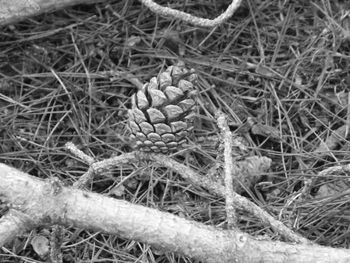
(45, 202)
(14, 11)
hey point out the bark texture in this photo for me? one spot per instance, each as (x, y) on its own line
(16, 10)
(47, 201)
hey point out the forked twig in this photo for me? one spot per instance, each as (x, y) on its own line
(198, 180)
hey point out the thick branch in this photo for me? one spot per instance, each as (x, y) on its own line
(49, 202)
(12, 224)
(14, 11)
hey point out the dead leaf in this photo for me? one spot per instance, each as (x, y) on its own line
(250, 171)
(118, 191)
(265, 71)
(132, 41)
(263, 130)
(40, 245)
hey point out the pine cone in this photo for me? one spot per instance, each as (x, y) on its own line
(162, 111)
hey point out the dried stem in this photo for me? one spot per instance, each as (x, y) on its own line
(78, 153)
(228, 167)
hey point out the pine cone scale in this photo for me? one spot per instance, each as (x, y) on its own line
(155, 116)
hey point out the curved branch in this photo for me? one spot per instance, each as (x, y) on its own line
(198, 21)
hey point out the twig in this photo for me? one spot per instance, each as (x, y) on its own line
(227, 138)
(86, 177)
(97, 167)
(55, 244)
(197, 21)
(334, 169)
(198, 180)
(78, 153)
(218, 189)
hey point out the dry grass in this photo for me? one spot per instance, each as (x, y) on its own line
(283, 63)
